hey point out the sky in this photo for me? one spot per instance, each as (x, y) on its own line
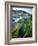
(29, 10)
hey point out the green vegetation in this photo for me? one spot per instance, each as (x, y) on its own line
(23, 28)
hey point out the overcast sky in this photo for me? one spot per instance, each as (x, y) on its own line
(29, 10)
